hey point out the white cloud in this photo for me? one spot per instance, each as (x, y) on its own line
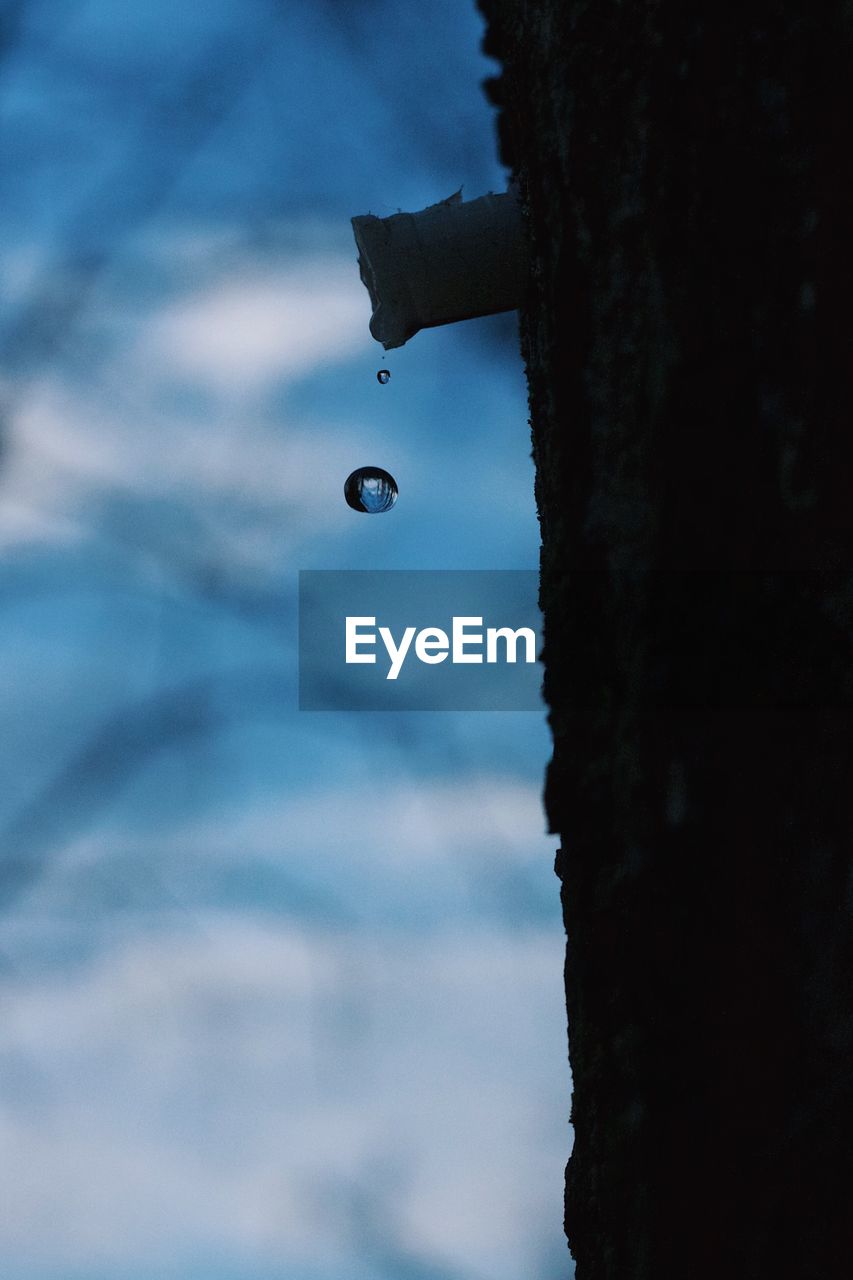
(246, 332)
(400, 822)
(223, 1088)
(124, 434)
(256, 488)
(375, 849)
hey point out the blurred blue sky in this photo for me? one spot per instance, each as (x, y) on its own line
(281, 991)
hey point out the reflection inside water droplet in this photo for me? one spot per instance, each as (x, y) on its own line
(383, 376)
(370, 489)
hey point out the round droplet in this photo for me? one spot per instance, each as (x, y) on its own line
(383, 376)
(370, 489)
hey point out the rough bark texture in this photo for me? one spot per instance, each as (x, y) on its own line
(688, 174)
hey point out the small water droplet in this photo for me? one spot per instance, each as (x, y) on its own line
(383, 376)
(370, 489)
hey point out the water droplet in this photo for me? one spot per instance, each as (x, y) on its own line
(383, 376)
(370, 489)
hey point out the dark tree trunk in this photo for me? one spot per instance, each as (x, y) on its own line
(688, 172)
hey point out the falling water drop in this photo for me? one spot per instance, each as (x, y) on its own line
(370, 489)
(383, 376)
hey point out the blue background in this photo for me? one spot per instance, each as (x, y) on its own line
(281, 992)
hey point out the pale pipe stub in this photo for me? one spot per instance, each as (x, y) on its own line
(453, 261)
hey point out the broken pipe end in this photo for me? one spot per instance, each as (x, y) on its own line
(452, 261)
